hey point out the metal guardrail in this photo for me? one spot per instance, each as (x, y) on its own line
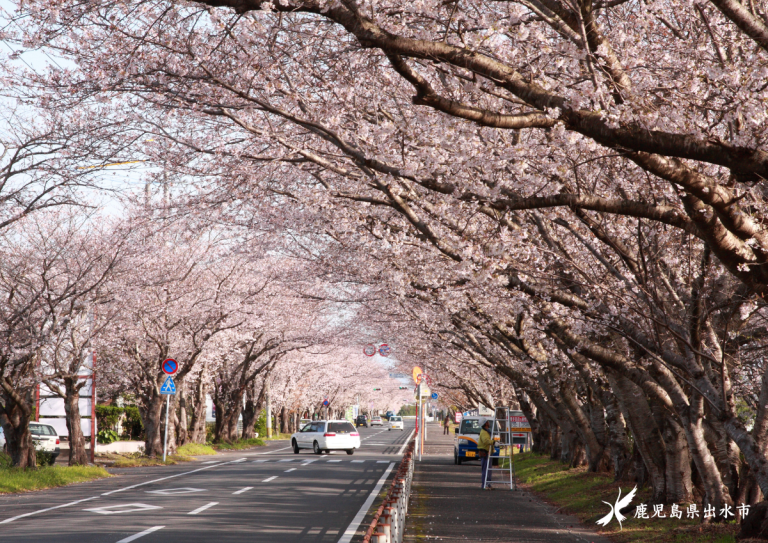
(388, 524)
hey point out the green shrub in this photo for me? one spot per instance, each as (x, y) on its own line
(106, 436)
(44, 458)
(108, 415)
(132, 425)
(260, 426)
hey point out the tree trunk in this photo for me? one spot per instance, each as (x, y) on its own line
(251, 412)
(648, 440)
(182, 432)
(15, 420)
(151, 416)
(679, 485)
(284, 421)
(77, 454)
(199, 411)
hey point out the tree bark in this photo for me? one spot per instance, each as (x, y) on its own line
(14, 416)
(77, 454)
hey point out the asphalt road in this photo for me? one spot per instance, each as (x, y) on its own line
(267, 494)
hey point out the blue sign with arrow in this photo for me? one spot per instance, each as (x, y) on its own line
(434, 395)
(169, 387)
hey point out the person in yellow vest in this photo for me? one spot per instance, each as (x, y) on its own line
(484, 445)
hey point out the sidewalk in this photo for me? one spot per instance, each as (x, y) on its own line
(448, 505)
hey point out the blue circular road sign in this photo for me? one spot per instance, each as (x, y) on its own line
(434, 395)
(170, 366)
(326, 403)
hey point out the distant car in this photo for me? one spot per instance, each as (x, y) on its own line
(361, 421)
(46, 440)
(376, 421)
(395, 423)
(303, 422)
(389, 414)
(322, 435)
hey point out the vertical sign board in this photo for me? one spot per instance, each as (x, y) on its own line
(521, 428)
(168, 389)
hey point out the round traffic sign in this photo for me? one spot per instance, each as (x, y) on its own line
(326, 403)
(384, 349)
(170, 366)
(434, 395)
(369, 350)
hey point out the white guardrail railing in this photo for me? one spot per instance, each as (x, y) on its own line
(388, 524)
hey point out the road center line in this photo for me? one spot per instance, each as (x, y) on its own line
(270, 452)
(134, 537)
(352, 529)
(203, 508)
(270, 479)
(290, 470)
(44, 510)
(246, 489)
(308, 462)
(169, 477)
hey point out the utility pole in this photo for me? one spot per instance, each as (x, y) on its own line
(419, 424)
(269, 409)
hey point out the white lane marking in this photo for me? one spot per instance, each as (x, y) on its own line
(307, 462)
(123, 508)
(246, 489)
(270, 479)
(290, 470)
(358, 461)
(236, 461)
(203, 508)
(261, 461)
(210, 462)
(174, 491)
(134, 537)
(286, 460)
(352, 529)
(44, 510)
(382, 461)
(270, 452)
(407, 439)
(334, 460)
(166, 478)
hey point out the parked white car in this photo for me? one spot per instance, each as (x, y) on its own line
(376, 421)
(396, 423)
(45, 439)
(326, 436)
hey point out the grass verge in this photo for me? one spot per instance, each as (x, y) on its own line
(239, 444)
(278, 436)
(195, 449)
(581, 494)
(23, 480)
(137, 460)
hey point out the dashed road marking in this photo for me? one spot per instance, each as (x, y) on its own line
(44, 510)
(270, 479)
(134, 537)
(203, 508)
(290, 470)
(246, 489)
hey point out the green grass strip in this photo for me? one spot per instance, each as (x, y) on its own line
(22, 480)
(195, 449)
(577, 492)
(239, 444)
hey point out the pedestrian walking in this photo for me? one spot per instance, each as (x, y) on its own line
(447, 424)
(484, 445)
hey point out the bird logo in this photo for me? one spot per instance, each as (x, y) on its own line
(616, 510)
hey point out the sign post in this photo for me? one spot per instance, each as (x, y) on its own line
(170, 366)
